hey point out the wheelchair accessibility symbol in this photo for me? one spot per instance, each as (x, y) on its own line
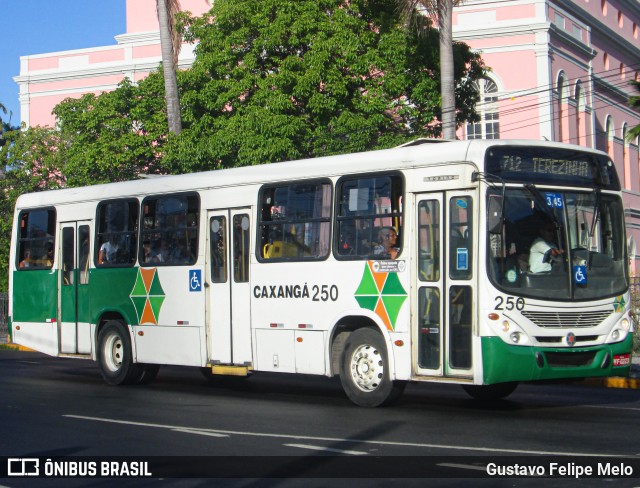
(580, 275)
(195, 280)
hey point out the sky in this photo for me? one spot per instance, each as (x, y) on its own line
(43, 26)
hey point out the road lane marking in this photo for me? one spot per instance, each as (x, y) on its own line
(633, 409)
(328, 449)
(352, 441)
(199, 432)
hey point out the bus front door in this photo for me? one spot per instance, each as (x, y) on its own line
(228, 299)
(442, 332)
(73, 270)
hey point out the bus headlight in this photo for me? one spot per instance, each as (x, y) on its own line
(516, 337)
(615, 335)
(625, 323)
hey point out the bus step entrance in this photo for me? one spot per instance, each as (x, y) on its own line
(230, 370)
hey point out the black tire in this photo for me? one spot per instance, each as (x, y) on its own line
(364, 370)
(148, 373)
(114, 355)
(497, 391)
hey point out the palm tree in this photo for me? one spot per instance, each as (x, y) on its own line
(3, 109)
(442, 10)
(170, 43)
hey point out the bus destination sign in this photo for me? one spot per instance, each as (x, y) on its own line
(551, 165)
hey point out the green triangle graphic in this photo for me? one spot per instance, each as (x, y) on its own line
(367, 284)
(393, 305)
(367, 301)
(393, 286)
(138, 289)
(138, 303)
(156, 287)
(156, 305)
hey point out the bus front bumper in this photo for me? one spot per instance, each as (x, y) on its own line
(503, 362)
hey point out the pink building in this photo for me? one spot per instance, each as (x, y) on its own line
(47, 79)
(560, 71)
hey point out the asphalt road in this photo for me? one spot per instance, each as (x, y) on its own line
(52, 407)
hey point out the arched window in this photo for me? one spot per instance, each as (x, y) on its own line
(609, 130)
(626, 159)
(562, 101)
(488, 126)
(580, 115)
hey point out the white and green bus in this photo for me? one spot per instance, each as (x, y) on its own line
(284, 267)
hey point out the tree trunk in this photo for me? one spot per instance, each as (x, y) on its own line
(447, 82)
(165, 19)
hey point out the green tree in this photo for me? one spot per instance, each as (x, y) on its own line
(32, 160)
(4, 125)
(114, 136)
(284, 79)
(634, 102)
(442, 11)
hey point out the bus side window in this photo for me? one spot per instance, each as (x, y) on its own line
(294, 222)
(218, 243)
(367, 206)
(460, 238)
(170, 230)
(36, 239)
(116, 233)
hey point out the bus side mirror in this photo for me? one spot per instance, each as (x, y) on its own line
(494, 214)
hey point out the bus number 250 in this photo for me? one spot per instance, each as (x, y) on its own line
(509, 303)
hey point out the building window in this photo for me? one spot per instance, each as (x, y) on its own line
(488, 127)
(579, 113)
(562, 102)
(609, 131)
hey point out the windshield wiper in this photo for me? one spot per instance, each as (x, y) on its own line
(596, 217)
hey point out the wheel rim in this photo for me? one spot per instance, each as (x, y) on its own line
(367, 368)
(113, 352)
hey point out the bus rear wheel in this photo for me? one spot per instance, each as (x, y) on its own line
(114, 355)
(496, 391)
(364, 370)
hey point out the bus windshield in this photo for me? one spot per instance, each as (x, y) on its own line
(559, 245)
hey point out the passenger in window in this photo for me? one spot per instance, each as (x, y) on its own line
(163, 254)
(146, 251)
(108, 251)
(544, 253)
(178, 252)
(387, 240)
(48, 259)
(26, 261)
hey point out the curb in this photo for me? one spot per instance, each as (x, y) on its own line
(15, 347)
(614, 382)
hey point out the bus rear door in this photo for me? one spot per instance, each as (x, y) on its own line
(75, 332)
(442, 332)
(228, 299)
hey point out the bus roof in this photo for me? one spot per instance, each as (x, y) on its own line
(425, 153)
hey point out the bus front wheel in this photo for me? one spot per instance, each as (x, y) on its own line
(364, 370)
(114, 355)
